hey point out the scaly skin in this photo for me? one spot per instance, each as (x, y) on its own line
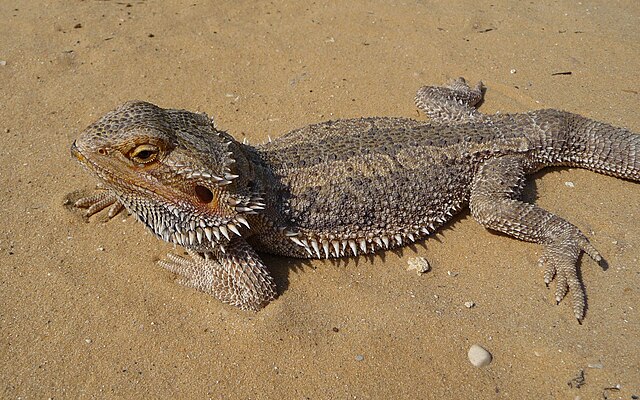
(342, 188)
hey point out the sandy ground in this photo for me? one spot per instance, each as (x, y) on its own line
(86, 313)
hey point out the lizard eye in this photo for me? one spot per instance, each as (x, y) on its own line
(144, 154)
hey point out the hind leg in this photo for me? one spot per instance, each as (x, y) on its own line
(494, 204)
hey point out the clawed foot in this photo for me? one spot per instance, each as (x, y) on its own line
(453, 103)
(560, 261)
(195, 272)
(465, 94)
(98, 201)
(235, 279)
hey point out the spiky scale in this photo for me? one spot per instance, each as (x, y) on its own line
(297, 241)
(233, 229)
(398, 239)
(363, 245)
(354, 249)
(208, 233)
(243, 221)
(325, 247)
(224, 231)
(216, 233)
(316, 248)
(336, 248)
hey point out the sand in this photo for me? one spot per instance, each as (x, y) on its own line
(85, 312)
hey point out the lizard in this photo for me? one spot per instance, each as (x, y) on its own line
(341, 188)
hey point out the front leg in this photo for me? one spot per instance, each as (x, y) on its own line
(494, 204)
(236, 277)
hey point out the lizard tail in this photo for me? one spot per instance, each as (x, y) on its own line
(602, 148)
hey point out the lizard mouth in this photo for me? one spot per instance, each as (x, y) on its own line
(75, 153)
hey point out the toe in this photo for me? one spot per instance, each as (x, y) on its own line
(561, 287)
(549, 269)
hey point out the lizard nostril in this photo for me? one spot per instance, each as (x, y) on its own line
(203, 194)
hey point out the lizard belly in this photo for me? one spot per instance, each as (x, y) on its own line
(346, 210)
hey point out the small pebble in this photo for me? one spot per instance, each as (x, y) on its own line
(420, 264)
(596, 366)
(569, 184)
(478, 356)
(3, 63)
(452, 273)
(359, 357)
(469, 304)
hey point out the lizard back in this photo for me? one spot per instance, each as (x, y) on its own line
(367, 181)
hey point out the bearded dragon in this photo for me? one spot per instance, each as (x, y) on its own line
(342, 188)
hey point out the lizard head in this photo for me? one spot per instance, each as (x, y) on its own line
(185, 180)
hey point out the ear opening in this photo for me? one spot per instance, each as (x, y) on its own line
(203, 194)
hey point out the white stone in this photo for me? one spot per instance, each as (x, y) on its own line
(478, 356)
(420, 264)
